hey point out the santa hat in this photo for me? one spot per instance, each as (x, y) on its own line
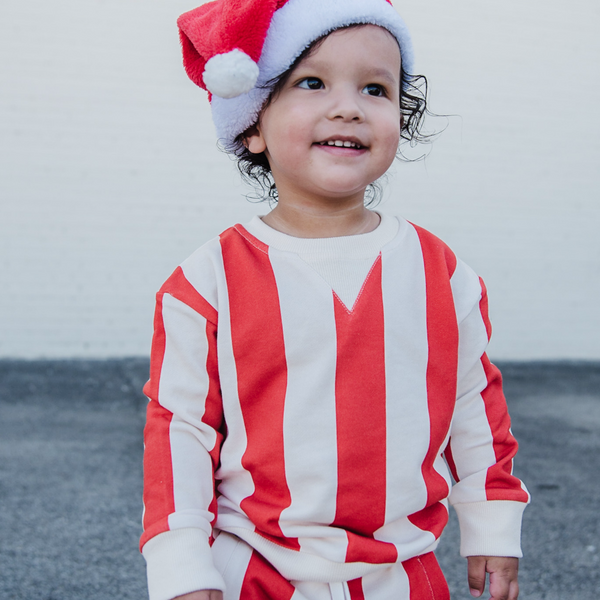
(233, 48)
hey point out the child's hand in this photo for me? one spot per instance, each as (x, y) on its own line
(202, 595)
(503, 572)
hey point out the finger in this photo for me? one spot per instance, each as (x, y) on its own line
(503, 577)
(499, 587)
(504, 584)
(476, 575)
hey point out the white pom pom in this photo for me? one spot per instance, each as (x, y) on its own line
(230, 75)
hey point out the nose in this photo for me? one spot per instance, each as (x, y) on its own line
(345, 106)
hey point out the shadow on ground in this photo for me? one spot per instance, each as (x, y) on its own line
(70, 480)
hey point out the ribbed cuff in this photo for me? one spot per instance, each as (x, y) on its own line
(490, 528)
(179, 562)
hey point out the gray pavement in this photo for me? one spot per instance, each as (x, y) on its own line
(70, 480)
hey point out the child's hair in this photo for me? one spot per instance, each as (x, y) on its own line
(255, 168)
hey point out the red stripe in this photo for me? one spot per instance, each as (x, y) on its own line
(158, 471)
(213, 412)
(450, 460)
(442, 365)
(356, 590)
(438, 249)
(263, 582)
(433, 518)
(500, 483)
(425, 578)
(259, 353)
(179, 287)
(484, 309)
(361, 422)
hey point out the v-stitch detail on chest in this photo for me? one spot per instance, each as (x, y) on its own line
(264, 249)
(365, 284)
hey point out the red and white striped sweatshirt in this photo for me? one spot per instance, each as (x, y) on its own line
(320, 433)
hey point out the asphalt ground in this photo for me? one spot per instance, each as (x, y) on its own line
(71, 480)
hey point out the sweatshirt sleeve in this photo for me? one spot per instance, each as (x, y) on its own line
(488, 498)
(182, 441)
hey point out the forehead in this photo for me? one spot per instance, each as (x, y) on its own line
(362, 45)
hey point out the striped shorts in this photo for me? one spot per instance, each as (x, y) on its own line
(248, 576)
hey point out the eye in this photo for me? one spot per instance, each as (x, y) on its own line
(311, 83)
(374, 89)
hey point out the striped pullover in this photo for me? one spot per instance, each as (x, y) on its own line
(321, 413)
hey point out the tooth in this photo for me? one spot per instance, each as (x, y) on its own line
(330, 143)
(348, 144)
(339, 143)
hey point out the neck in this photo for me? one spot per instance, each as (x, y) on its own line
(322, 221)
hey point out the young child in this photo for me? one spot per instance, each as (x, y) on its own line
(319, 375)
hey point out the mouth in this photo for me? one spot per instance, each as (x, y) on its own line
(343, 142)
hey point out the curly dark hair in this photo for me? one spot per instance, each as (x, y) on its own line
(255, 169)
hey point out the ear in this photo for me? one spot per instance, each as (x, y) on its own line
(254, 140)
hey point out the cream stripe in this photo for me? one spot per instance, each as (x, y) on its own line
(199, 270)
(231, 556)
(236, 481)
(472, 439)
(309, 417)
(406, 367)
(389, 584)
(183, 390)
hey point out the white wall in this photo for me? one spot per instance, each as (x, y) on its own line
(110, 173)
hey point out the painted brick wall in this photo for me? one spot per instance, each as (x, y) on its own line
(111, 176)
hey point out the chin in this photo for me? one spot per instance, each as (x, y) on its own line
(341, 194)
(345, 188)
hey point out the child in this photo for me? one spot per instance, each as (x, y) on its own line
(318, 373)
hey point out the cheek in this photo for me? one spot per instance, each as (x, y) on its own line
(287, 129)
(390, 139)
(392, 129)
(296, 119)
(290, 144)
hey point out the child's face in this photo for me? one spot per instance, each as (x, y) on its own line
(347, 91)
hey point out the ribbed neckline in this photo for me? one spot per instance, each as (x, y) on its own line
(348, 246)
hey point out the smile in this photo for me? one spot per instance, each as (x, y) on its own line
(342, 144)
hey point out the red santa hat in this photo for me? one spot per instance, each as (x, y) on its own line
(233, 48)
